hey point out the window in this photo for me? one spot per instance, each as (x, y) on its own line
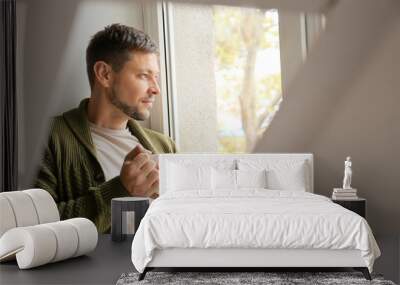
(248, 74)
(226, 69)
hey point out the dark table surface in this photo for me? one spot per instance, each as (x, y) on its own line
(104, 265)
(110, 259)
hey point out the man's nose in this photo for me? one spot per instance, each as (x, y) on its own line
(155, 88)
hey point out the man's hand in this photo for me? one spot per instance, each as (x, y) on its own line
(139, 174)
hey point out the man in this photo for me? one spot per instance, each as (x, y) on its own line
(98, 151)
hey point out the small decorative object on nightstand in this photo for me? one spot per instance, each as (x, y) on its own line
(126, 214)
(348, 173)
(357, 205)
(347, 196)
(346, 193)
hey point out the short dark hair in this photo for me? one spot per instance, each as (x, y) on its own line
(113, 45)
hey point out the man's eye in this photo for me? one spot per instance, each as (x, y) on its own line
(143, 75)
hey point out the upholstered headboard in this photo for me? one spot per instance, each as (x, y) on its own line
(238, 161)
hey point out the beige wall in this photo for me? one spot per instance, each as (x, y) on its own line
(366, 125)
(346, 101)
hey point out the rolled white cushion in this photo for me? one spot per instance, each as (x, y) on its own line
(33, 246)
(87, 235)
(23, 208)
(46, 208)
(40, 244)
(7, 218)
(67, 239)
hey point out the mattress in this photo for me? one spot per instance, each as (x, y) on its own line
(251, 219)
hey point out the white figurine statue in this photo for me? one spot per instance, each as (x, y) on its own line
(347, 173)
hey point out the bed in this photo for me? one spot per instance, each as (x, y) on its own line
(247, 211)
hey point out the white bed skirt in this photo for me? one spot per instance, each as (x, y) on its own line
(235, 257)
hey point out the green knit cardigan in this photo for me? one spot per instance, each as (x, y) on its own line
(71, 173)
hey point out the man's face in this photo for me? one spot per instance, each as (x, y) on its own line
(135, 86)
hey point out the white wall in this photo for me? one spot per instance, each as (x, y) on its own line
(51, 75)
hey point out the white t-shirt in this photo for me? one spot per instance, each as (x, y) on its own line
(112, 146)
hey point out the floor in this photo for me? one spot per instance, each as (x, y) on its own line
(110, 260)
(388, 264)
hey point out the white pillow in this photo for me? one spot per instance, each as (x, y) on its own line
(288, 179)
(234, 179)
(281, 174)
(224, 179)
(251, 178)
(185, 177)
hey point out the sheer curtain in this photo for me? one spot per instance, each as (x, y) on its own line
(8, 99)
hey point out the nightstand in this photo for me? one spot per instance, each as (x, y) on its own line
(358, 205)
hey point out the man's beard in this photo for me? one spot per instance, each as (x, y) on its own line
(130, 111)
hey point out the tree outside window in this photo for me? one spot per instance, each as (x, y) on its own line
(248, 75)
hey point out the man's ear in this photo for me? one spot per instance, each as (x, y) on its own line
(103, 73)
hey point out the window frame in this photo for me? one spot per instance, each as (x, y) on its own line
(157, 22)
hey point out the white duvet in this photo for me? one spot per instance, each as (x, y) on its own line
(251, 218)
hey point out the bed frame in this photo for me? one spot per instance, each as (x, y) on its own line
(260, 259)
(248, 259)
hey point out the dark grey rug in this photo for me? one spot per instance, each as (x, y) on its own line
(270, 278)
